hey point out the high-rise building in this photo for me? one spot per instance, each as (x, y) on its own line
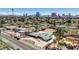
(69, 16)
(12, 11)
(59, 16)
(37, 14)
(25, 15)
(63, 14)
(53, 14)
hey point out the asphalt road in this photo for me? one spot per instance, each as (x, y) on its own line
(20, 44)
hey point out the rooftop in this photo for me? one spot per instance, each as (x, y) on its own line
(43, 35)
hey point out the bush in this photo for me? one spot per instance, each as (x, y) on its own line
(69, 46)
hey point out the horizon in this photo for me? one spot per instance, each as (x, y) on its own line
(42, 11)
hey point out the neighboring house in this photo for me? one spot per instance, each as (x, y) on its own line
(43, 35)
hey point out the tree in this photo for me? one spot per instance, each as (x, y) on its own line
(36, 25)
(2, 22)
(69, 22)
(54, 23)
(59, 33)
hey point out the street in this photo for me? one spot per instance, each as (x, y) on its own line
(20, 45)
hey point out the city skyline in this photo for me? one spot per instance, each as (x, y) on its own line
(43, 11)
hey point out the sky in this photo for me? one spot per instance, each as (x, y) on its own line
(43, 11)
